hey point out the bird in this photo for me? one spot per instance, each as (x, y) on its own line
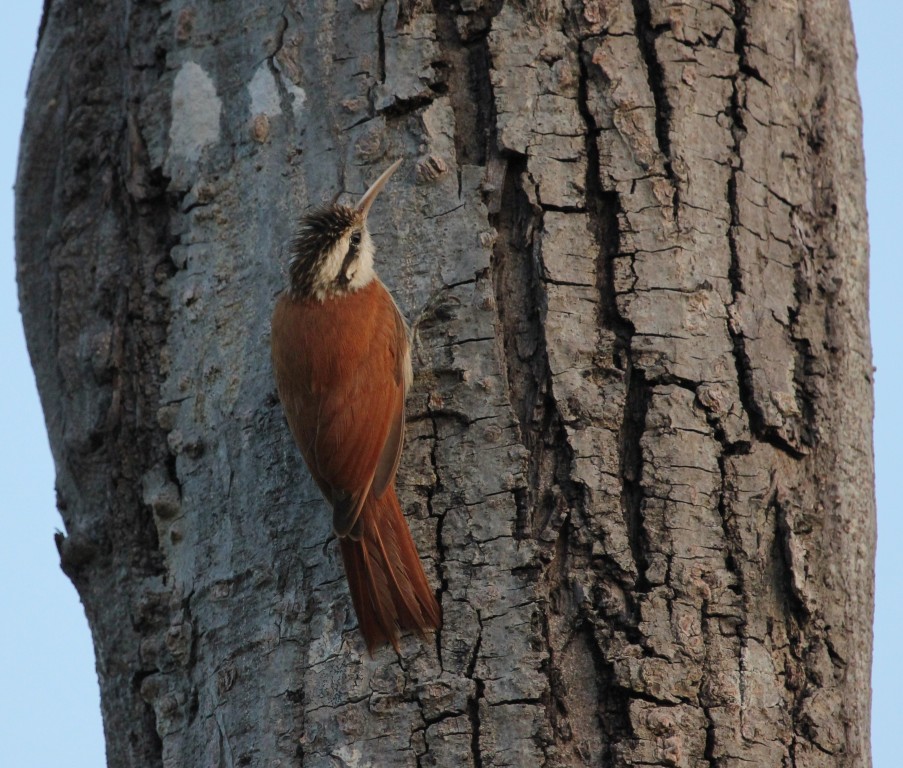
(341, 355)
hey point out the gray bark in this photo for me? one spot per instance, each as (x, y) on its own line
(631, 238)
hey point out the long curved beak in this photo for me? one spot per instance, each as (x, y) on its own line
(370, 195)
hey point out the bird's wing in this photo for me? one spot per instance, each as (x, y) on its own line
(387, 465)
(349, 425)
(371, 432)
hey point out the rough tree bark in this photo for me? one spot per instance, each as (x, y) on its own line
(631, 238)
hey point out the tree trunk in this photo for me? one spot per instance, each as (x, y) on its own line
(630, 236)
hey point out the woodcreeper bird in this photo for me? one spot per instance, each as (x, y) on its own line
(342, 359)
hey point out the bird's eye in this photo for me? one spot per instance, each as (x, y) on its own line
(356, 239)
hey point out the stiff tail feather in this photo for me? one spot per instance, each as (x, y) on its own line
(386, 579)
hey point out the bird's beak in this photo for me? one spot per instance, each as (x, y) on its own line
(370, 195)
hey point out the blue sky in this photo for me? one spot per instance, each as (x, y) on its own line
(49, 707)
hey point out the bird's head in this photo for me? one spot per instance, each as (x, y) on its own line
(332, 253)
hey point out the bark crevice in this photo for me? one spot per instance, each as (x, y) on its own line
(646, 34)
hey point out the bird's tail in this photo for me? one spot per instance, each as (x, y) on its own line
(388, 586)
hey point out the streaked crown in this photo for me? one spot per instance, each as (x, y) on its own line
(332, 252)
